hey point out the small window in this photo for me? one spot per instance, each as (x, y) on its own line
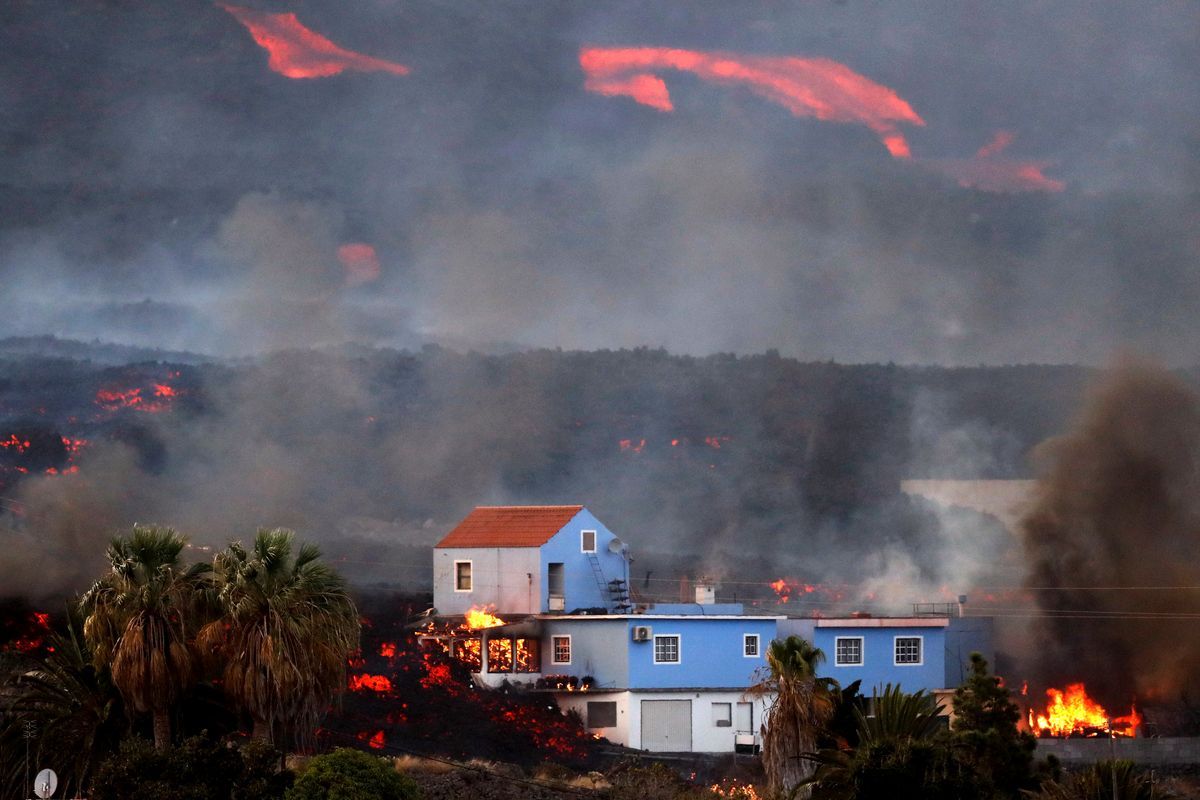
(848, 651)
(722, 715)
(601, 715)
(560, 649)
(462, 576)
(908, 649)
(666, 649)
(750, 645)
(588, 542)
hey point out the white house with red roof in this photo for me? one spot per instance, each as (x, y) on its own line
(522, 560)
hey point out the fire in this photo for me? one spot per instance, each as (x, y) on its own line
(15, 443)
(807, 87)
(784, 589)
(360, 262)
(375, 741)
(1071, 712)
(158, 397)
(297, 52)
(478, 618)
(387, 649)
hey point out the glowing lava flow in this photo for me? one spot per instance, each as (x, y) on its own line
(297, 52)
(807, 87)
(1071, 712)
(991, 171)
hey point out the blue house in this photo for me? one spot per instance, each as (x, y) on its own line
(919, 652)
(530, 560)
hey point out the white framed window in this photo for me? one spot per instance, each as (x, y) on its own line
(750, 645)
(560, 649)
(587, 541)
(462, 576)
(848, 651)
(722, 715)
(909, 651)
(666, 649)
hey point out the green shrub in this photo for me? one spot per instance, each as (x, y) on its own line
(348, 774)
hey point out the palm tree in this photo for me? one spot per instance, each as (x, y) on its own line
(138, 618)
(897, 715)
(76, 713)
(801, 707)
(286, 628)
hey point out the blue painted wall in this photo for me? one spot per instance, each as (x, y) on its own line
(879, 667)
(711, 653)
(579, 581)
(967, 635)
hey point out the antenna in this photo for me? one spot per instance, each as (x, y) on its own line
(616, 545)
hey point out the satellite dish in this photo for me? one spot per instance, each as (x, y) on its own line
(45, 783)
(616, 545)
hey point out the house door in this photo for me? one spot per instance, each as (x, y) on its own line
(744, 719)
(555, 587)
(667, 726)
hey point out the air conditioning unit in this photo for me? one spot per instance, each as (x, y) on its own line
(558, 603)
(641, 633)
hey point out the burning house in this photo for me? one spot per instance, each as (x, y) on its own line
(665, 678)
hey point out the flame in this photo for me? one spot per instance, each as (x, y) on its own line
(477, 618)
(1071, 712)
(360, 262)
(375, 741)
(297, 52)
(807, 87)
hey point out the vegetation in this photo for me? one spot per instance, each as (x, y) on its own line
(985, 727)
(198, 769)
(1104, 780)
(140, 619)
(348, 774)
(286, 624)
(802, 707)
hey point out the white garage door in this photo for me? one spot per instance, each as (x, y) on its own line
(667, 726)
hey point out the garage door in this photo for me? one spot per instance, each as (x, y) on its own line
(667, 726)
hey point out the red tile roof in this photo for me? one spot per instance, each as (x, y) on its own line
(509, 526)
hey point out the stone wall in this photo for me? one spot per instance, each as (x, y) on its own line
(1147, 752)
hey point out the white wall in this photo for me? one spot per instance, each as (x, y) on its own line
(706, 737)
(504, 577)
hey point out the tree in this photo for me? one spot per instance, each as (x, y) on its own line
(802, 706)
(138, 620)
(897, 715)
(76, 713)
(347, 774)
(1103, 780)
(286, 628)
(985, 726)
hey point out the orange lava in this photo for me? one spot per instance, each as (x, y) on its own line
(297, 52)
(370, 683)
(1071, 712)
(387, 649)
(482, 618)
(360, 262)
(992, 171)
(807, 87)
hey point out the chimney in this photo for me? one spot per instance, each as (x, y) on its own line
(706, 591)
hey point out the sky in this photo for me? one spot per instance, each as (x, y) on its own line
(932, 182)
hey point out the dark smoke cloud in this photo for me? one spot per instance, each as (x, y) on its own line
(133, 138)
(1117, 507)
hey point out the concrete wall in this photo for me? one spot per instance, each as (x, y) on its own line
(581, 588)
(598, 648)
(967, 635)
(879, 667)
(706, 737)
(506, 578)
(1146, 752)
(710, 652)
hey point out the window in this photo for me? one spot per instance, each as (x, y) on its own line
(666, 649)
(722, 715)
(750, 645)
(554, 579)
(908, 650)
(560, 649)
(462, 576)
(587, 541)
(601, 715)
(847, 651)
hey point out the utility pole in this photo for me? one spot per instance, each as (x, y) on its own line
(28, 731)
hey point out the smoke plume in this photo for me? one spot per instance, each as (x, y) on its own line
(1115, 524)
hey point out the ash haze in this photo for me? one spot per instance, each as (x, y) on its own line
(167, 183)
